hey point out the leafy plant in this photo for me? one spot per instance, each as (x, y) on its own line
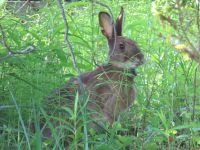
(183, 17)
(166, 111)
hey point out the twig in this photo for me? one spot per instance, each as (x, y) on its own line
(4, 40)
(66, 36)
(27, 50)
(169, 20)
(24, 4)
(6, 106)
(6, 57)
(82, 91)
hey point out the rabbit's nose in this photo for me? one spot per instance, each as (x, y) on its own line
(141, 58)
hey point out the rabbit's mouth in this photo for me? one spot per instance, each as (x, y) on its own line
(128, 64)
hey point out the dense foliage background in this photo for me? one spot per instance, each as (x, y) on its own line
(166, 113)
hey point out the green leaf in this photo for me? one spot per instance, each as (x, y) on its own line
(104, 147)
(68, 110)
(125, 140)
(150, 146)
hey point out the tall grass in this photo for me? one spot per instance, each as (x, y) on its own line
(162, 115)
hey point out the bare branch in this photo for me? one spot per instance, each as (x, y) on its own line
(24, 4)
(82, 91)
(27, 50)
(6, 57)
(66, 36)
(4, 40)
(169, 20)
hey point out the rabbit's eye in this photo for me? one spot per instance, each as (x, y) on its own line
(121, 46)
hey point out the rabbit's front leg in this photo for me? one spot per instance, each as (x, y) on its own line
(111, 109)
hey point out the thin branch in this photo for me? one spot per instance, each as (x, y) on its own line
(27, 50)
(6, 57)
(24, 4)
(4, 40)
(66, 36)
(82, 91)
(70, 45)
(171, 22)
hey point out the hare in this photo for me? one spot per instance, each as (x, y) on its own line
(110, 86)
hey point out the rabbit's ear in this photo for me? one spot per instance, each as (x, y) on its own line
(119, 22)
(106, 24)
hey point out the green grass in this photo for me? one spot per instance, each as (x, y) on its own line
(162, 113)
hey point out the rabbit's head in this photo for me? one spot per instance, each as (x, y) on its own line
(123, 52)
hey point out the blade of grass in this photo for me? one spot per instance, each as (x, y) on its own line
(21, 120)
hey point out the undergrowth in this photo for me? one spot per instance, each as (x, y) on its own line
(163, 115)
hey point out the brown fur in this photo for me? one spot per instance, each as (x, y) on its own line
(110, 87)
